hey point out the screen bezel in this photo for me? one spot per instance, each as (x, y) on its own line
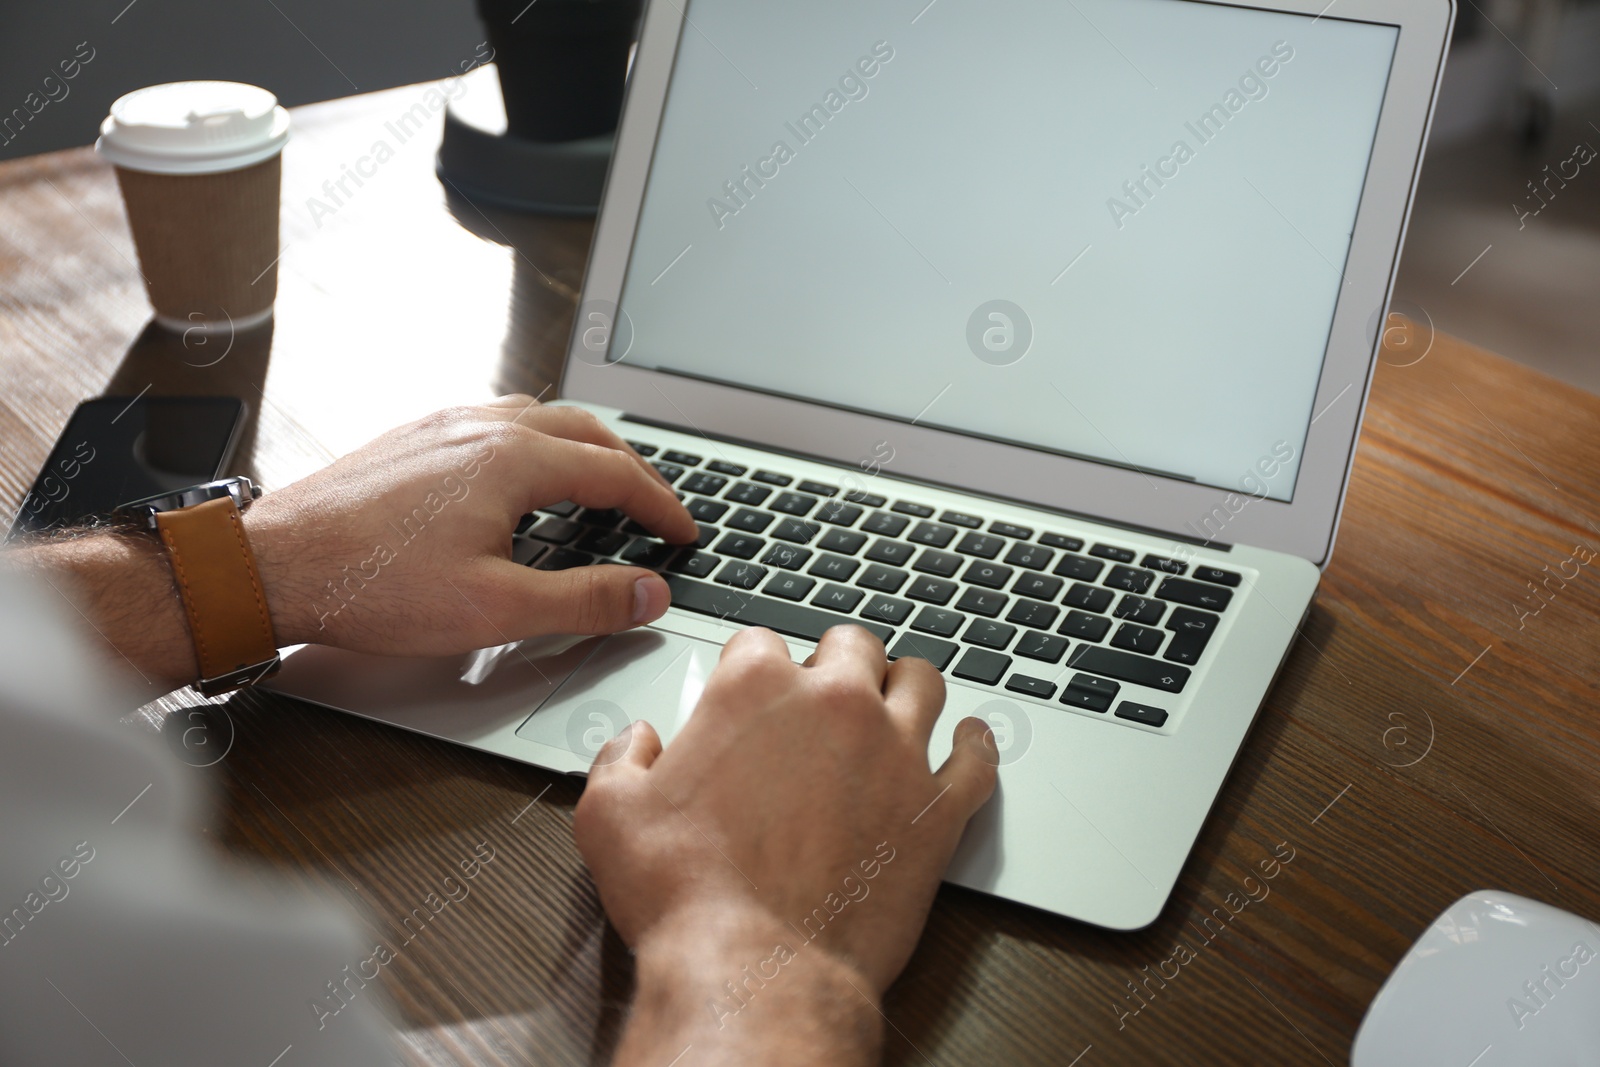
(1304, 526)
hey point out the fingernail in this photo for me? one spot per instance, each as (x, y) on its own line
(650, 599)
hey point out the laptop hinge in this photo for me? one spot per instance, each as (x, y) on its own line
(1149, 531)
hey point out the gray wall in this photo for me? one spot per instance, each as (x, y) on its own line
(303, 50)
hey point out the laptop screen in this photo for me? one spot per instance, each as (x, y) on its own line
(1112, 229)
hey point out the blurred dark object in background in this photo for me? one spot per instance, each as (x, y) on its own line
(562, 63)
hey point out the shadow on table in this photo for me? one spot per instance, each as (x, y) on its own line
(163, 362)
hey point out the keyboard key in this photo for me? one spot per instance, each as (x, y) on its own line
(1090, 693)
(937, 652)
(866, 500)
(883, 579)
(1140, 609)
(836, 567)
(980, 602)
(642, 448)
(1129, 579)
(976, 544)
(796, 530)
(741, 575)
(772, 479)
(686, 459)
(634, 528)
(932, 590)
(906, 507)
(748, 520)
(602, 542)
(705, 510)
(1127, 667)
(1194, 594)
(817, 488)
(794, 503)
(706, 484)
(748, 493)
(1032, 613)
(1034, 557)
(838, 513)
(938, 621)
(895, 553)
(1112, 552)
(1046, 647)
(707, 535)
(696, 564)
(1055, 540)
(1086, 627)
(603, 516)
(789, 557)
(961, 518)
(989, 634)
(847, 541)
(886, 524)
(794, 620)
(790, 586)
(1216, 576)
(1143, 714)
(888, 609)
(564, 508)
(1038, 586)
(838, 597)
(932, 561)
(1186, 648)
(556, 531)
(564, 559)
(932, 533)
(1006, 529)
(722, 466)
(1136, 638)
(981, 665)
(1161, 563)
(1088, 597)
(1034, 687)
(741, 546)
(525, 523)
(668, 471)
(1189, 621)
(1081, 568)
(988, 575)
(647, 552)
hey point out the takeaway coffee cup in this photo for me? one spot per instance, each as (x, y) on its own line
(199, 167)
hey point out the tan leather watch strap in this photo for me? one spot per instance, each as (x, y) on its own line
(216, 575)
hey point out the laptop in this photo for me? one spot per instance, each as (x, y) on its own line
(1032, 336)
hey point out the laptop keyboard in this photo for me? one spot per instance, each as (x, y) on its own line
(1033, 612)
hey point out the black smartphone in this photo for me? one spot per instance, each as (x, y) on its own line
(120, 449)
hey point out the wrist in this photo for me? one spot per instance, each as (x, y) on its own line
(740, 984)
(278, 555)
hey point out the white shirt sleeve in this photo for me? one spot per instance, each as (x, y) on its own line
(122, 940)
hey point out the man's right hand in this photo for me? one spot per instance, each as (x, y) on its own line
(774, 868)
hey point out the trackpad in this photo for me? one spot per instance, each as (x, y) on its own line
(642, 674)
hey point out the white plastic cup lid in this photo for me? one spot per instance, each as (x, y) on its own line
(193, 128)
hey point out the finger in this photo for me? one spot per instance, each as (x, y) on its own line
(576, 424)
(598, 477)
(753, 643)
(968, 775)
(851, 652)
(914, 691)
(602, 599)
(635, 748)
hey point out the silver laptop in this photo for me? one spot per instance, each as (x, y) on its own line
(1032, 336)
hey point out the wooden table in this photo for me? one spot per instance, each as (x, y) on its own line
(1423, 741)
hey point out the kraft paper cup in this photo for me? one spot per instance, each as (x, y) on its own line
(199, 165)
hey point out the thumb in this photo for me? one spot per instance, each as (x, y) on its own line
(587, 600)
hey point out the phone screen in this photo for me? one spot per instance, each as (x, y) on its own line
(119, 449)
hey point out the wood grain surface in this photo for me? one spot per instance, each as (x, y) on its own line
(1425, 739)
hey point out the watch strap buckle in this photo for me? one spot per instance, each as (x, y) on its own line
(227, 683)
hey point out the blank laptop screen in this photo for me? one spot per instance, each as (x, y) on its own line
(1113, 229)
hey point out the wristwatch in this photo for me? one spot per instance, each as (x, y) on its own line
(203, 533)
